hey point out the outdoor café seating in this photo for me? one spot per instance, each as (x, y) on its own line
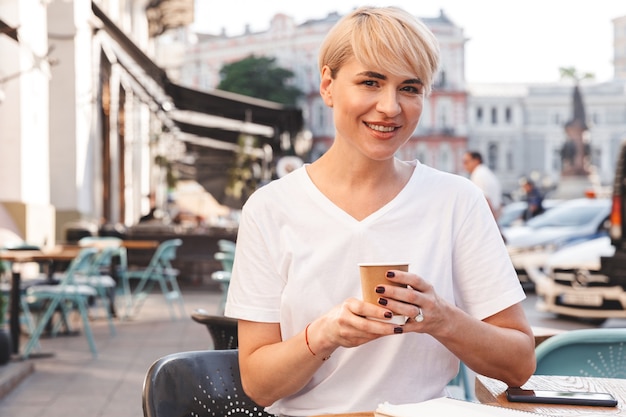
(222, 276)
(64, 297)
(108, 267)
(197, 383)
(159, 271)
(598, 352)
(223, 330)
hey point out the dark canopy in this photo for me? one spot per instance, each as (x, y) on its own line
(215, 103)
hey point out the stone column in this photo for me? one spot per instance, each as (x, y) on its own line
(24, 151)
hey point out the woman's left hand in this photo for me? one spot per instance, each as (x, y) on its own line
(427, 312)
(486, 346)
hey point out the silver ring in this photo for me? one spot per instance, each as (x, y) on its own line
(420, 317)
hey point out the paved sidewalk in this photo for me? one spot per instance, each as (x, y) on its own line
(73, 383)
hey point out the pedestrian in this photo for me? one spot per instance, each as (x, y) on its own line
(306, 344)
(485, 179)
(534, 199)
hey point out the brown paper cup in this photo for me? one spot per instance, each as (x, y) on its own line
(374, 274)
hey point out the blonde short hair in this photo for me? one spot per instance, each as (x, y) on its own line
(382, 37)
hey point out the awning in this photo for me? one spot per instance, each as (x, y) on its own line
(198, 112)
(11, 32)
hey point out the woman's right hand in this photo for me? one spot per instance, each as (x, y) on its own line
(267, 361)
(346, 325)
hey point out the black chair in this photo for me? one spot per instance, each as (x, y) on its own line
(222, 329)
(198, 383)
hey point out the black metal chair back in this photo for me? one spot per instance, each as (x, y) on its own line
(197, 383)
(223, 330)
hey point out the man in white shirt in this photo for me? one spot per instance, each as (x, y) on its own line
(484, 178)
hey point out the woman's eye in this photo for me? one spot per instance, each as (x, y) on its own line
(411, 89)
(370, 83)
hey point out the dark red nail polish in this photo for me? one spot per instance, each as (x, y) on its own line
(398, 330)
(382, 301)
(380, 290)
(390, 274)
(388, 314)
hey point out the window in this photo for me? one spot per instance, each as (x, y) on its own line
(494, 116)
(509, 161)
(508, 115)
(492, 157)
(479, 115)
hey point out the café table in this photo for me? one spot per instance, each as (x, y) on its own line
(544, 333)
(61, 253)
(140, 244)
(128, 244)
(492, 391)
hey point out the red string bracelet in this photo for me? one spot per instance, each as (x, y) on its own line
(306, 339)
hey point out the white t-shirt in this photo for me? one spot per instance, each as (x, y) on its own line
(486, 180)
(297, 255)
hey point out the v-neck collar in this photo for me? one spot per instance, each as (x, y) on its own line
(329, 206)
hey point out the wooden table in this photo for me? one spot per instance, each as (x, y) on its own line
(544, 333)
(128, 244)
(140, 244)
(56, 254)
(491, 391)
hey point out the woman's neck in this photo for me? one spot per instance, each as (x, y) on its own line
(359, 187)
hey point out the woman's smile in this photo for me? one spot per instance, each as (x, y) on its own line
(381, 128)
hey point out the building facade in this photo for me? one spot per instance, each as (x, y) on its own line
(519, 129)
(441, 135)
(91, 125)
(87, 115)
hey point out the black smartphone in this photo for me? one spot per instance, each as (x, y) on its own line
(603, 399)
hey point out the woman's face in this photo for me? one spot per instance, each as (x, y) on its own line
(375, 112)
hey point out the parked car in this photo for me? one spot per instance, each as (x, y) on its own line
(569, 222)
(571, 283)
(512, 214)
(588, 280)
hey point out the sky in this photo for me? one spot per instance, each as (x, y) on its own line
(508, 40)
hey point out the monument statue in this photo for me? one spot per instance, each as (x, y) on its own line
(576, 151)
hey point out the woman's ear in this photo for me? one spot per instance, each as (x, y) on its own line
(325, 86)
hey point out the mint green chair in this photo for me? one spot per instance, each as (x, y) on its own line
(97, 275)
(112, 261)
(161, 271)
(222, 276)
(586, 352)
(226, 245)
(462, 382)
(67, 295)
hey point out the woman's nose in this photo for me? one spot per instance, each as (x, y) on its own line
(388, 103)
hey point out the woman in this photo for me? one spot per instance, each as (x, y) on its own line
(305, 346)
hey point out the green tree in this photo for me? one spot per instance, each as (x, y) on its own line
(574, 74)
(259, 77)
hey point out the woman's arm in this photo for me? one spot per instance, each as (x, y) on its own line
(501, 346)
(272, 369)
